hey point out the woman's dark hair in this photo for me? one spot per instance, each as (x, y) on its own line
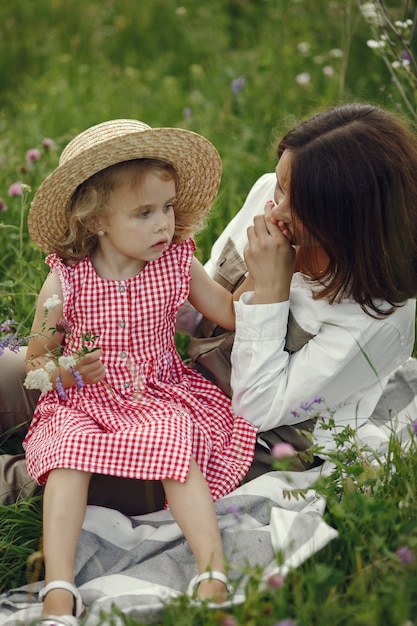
(353, 186)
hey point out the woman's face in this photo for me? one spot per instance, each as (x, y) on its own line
(281, 212)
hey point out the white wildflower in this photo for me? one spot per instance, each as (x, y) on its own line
(67, 362)
(336, 53)
(369, 11)
(303, 78)
(49, 303)
(304, 48)
(372, 14)
(50, 366)
(328, 71)
(375, 45)
(38, 379)
(399, 24)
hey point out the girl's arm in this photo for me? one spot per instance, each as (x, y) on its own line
(44, 338)
(213, 300)
(46, 341)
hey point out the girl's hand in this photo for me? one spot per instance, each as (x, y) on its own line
(270, 258)
(91, 367)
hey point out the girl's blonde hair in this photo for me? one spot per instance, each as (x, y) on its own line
(89, 204)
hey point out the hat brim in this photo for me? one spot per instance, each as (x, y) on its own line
(195, 159)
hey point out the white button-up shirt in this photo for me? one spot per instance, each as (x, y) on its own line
(346, 363)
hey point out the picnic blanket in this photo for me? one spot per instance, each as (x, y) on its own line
(140, 563)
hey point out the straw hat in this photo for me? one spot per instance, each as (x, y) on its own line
(194, 158)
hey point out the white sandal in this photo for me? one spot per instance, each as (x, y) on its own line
(61, 620)
(213, 575)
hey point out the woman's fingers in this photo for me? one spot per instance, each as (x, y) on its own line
(269, 258)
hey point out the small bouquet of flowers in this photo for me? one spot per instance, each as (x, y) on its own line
(40, 378)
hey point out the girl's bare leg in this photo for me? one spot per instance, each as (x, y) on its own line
(64, 506)
(192, 508)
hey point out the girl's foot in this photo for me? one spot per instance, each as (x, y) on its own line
(213, 590)
(59, 602)
(61, 599)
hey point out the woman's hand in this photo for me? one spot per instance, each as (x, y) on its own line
(91, 367)
(270, 258)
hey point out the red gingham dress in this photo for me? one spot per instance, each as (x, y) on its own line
(151, 412)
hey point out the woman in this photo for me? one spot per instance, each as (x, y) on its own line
(337, 247)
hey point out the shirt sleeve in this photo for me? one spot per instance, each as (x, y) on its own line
(339, 364)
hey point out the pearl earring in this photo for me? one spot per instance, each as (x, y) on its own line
(100, 233)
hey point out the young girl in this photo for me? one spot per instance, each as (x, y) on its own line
(115, 218)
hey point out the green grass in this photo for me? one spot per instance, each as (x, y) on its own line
(65, 65)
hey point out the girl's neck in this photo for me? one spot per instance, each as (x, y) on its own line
(111, 267)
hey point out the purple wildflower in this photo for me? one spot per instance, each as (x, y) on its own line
(15, 189)
(3, 345)
(229, 620)
(12, 342)
(405, 56)
(317, 400)
(187, 113)
(47, 143)
(8, 326)
(282, 450)
(405, 555)
(63, 326)
(238, 84)
(276, 581)
(60, 388)
(414, 427)
(15, 343)
(294, 413)
(286, 622)
(306, 406)
(3, 206)
(78, 377)
(236, 513)
(33, 155)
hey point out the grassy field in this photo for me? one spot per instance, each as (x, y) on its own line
(239, 72)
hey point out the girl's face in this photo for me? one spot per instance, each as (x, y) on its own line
(281, 212)
(141, 221)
